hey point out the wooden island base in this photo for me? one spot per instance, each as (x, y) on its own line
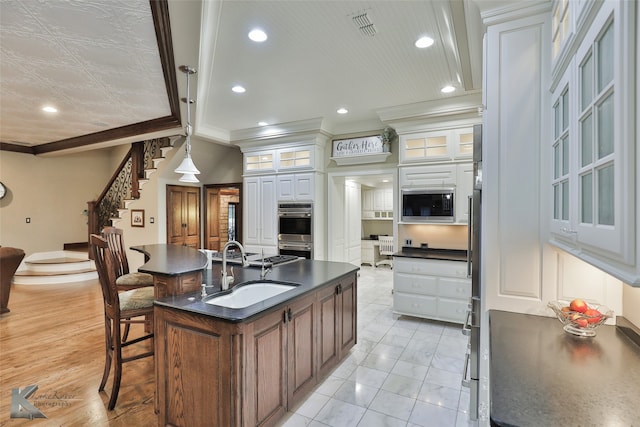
(214, 372)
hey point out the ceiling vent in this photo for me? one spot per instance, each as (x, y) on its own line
(363, 23)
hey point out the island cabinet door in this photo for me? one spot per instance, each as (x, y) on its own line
(327, 329)
(347, 302)
(193, 370)
(265, 399)
(301, 348)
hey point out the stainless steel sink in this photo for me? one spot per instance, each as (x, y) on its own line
(247, 294)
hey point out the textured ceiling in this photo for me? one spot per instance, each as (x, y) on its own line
(98, 62)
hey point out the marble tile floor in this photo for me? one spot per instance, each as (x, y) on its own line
(403, 372)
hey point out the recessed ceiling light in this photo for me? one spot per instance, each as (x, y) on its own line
(447, 89)
(49, 109)
(257, 35)
(262, 123)
(342, 111)
(423, 42)
(238, 89)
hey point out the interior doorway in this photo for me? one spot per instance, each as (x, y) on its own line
(223, 215)
(351, 190)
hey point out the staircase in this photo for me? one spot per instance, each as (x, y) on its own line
(69, 266)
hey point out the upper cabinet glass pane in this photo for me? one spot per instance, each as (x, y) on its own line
(436, 141)
(565, 110)
(605, 127)
(586, 141)
(605, 58)
(586, 82)
(606, 197)
(556, 120)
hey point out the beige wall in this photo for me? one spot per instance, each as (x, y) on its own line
(53, 192)
(631, 304)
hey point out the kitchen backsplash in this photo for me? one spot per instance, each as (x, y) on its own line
(435, 235)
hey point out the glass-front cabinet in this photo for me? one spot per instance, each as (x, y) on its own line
(593, 140)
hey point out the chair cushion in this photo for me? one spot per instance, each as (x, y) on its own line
(135, 279)
(136, 298)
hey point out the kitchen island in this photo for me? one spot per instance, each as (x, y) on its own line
(247, 366)
(543, 376)
(175, 269)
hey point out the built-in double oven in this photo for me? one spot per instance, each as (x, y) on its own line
(295, 229)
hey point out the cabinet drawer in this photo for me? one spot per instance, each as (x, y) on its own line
(419, 305)
(455, 288)
(410, 283)
(432, 267)
(452, 310)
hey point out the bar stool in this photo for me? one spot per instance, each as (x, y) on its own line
(120, 308)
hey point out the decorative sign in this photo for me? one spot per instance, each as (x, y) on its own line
(358, 146)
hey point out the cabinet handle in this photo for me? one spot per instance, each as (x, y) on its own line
(284, 316)
(339, 289)
(289, 314)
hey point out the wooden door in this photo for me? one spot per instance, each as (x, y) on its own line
(348, 314)
(265, 393)
(212, 219)
(327, 329)
(183, 215)
(301, 345)
(217, 199)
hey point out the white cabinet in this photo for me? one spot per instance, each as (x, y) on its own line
(464, 189)
(260, 214)
(296, 187)
(296, 158)
(260, 161)
(428, 176)
(437, 145)
(367, 252)
(377, 203)
(432, 289)
(593, 185)
(367, 204)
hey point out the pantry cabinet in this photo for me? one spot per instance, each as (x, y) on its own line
(592, 145)
(431, 289)
(260, 214)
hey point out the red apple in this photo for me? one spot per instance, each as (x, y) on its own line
(579, 320)
(578, 305)
(593, 315)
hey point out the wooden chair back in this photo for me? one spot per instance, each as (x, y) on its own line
(106, 266)
(115, 238)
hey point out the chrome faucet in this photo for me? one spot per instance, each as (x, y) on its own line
(228, 279)
(264, 272)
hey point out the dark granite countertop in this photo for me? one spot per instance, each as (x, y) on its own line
(543, 376)
(170, 260)
(429, 253)
(307, 274)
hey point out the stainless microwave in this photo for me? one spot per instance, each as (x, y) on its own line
(428, 205)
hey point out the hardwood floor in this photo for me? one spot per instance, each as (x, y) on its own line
(54, 338)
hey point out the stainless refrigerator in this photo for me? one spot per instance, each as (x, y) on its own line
(471, 328)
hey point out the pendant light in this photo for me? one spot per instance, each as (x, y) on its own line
(187, 168)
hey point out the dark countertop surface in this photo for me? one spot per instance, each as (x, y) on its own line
(429, 253)
(308, 274)
(170, 260)
(543, 376)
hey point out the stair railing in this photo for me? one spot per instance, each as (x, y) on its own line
(124, 184)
